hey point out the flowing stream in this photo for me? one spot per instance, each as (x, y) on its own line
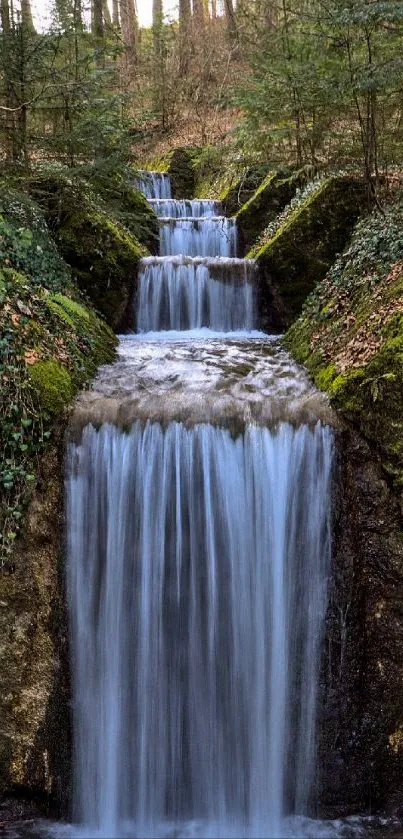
(198, 509)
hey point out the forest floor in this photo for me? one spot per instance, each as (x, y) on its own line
(213, 127)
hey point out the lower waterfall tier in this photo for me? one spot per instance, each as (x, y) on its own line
(197, 584)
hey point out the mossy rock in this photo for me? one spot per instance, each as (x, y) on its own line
(127, 205)
(104, 256)
(241, 188)
(305, 246)
(181, 168)
(53, 385)
(97, 341)
(269, 199)
(105, 260)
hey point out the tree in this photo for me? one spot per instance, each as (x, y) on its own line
(230, 20)
(97, 18)
(184, 34)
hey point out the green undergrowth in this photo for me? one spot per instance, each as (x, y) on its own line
(25, 242)
(350, 333)
(51, 344)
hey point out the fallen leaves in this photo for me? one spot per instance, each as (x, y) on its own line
(31, 356)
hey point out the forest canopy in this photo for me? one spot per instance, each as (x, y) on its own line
(302, 82)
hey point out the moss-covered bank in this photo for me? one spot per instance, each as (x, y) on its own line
(181, 165)
(103, 254)
(350, 336)
(51, 343)
(304, 247)
(269, 199)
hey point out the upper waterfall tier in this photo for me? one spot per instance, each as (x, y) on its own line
(185, 293)
(208, 236)
(154, 184)
(185, 209)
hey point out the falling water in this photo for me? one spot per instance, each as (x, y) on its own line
(198, 554)
(154, 184)
(209, 236)
(184, 293)
(197, 577)
(197, 208)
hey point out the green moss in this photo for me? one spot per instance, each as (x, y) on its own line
(94, 343)
(59, 311)
(75, 309)
(103, 254)
(122, 201)
(304, 247)
(269, 199)
(16, 278)
(325, 377)
(180, 164)
(53, 385)
(104, 258)
(350, 335)
(181, 169)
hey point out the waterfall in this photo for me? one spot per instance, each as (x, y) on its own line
(155, 185)
(197, 576)
(198, 531)
(197, 208)
(198, 236)
(183, 293)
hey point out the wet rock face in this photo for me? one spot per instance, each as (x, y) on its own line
(361, 747)
(34, 708)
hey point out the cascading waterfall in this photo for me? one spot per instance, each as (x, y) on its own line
(198, 561)
(155, 185)
(197, 208)
(183, 293)
(198, 236)
(198, 570)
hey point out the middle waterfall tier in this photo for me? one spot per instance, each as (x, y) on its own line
(206, 236)
(196, 208)
(181, 293)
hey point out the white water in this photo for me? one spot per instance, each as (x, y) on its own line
(197, 578)
(209, 236)
(197, 569)
(194, 293)
(154, 184)
(197, 208)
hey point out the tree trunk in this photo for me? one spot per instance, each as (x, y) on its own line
(158, 17)
(230, 19)
(26, 15)
(5, 17)
(106, 14)
(115, 13)
(128, 17)
(97, 19)
(184, 33)
(198, 15)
